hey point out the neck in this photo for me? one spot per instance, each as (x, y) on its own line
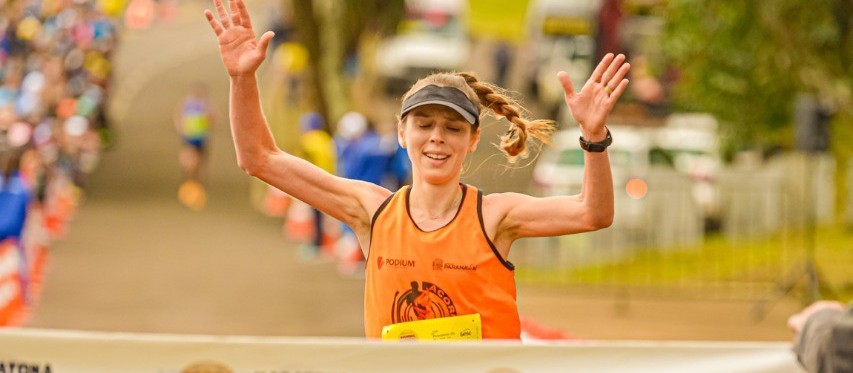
(434, 201)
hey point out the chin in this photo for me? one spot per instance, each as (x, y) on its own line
(439, 177)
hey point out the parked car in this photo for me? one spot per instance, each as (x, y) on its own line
(692, 141)
(432, 38)
(653, 203)
(562, 36)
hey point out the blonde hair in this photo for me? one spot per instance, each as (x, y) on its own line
(489, 96)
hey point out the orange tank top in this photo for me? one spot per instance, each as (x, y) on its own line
(452, 271)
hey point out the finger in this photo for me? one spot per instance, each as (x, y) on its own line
(614, 96)
(235, 14)
(599, 70)
(566, 82)
(214, 24)
(612, 67)
(245, 20)
(223, 15)
(265, 41)
(619, 75)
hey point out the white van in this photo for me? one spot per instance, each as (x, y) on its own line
(563, 36)
(653, 202)
(692, 140)
(432, 39)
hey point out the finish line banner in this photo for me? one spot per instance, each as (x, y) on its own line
(40, 351)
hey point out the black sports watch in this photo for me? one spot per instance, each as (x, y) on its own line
(596, 147)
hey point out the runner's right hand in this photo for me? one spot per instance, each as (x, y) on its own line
(240, 52)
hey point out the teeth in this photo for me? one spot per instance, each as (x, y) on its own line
(436, 156)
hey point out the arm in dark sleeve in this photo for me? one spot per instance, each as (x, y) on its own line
(842, 336)
(825, 344)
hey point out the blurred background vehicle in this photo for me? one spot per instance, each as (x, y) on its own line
(692, 142)
(431, 38)
(653, 200)
(562, 33)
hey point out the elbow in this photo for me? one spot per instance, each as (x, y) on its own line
(249, 168)
(599, 220)
(253, 166)
(598, 213)
(598, 224)
(605, 222)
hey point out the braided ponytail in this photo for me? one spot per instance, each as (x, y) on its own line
(514, 142)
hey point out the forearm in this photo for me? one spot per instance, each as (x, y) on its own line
(253, 140)
(597, 190)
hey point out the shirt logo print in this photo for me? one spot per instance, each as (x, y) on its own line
(423, 300)
(440, 265)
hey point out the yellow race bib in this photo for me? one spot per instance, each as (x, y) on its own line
(467, 327)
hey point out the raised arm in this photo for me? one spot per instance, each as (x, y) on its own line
(519, 215)
(242, 55)
(257, 154)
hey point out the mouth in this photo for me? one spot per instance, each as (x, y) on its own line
(436, 156)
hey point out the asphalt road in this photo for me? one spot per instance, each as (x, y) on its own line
(137, 260)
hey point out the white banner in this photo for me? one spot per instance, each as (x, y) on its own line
(40, 351)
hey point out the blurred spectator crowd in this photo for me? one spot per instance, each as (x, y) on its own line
(356, 151)
(55, 74)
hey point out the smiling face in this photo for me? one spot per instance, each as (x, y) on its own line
(437, 139)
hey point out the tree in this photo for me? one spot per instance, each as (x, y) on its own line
(334, 30)
(745, 62)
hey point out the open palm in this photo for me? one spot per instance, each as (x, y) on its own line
(596, 99)
(240, 52)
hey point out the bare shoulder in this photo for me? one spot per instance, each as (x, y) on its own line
(505, 199)
(497, 221)
(371, 196)
(374, 196)
(497, 205)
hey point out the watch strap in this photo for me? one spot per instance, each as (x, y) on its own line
(596, 146)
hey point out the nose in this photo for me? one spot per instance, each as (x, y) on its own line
(437, 135)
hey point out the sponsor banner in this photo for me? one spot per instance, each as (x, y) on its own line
(498, 19)
(31, 350)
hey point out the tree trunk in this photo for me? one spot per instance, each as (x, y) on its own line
(330, 30)
(309, 34)
(335, 96)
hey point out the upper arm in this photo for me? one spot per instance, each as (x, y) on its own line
(350, 201)
(516, 215)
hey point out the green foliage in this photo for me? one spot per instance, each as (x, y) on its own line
(745, 61)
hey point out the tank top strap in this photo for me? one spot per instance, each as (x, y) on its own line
(470, 202)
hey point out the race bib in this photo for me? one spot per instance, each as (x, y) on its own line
(467, 327)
